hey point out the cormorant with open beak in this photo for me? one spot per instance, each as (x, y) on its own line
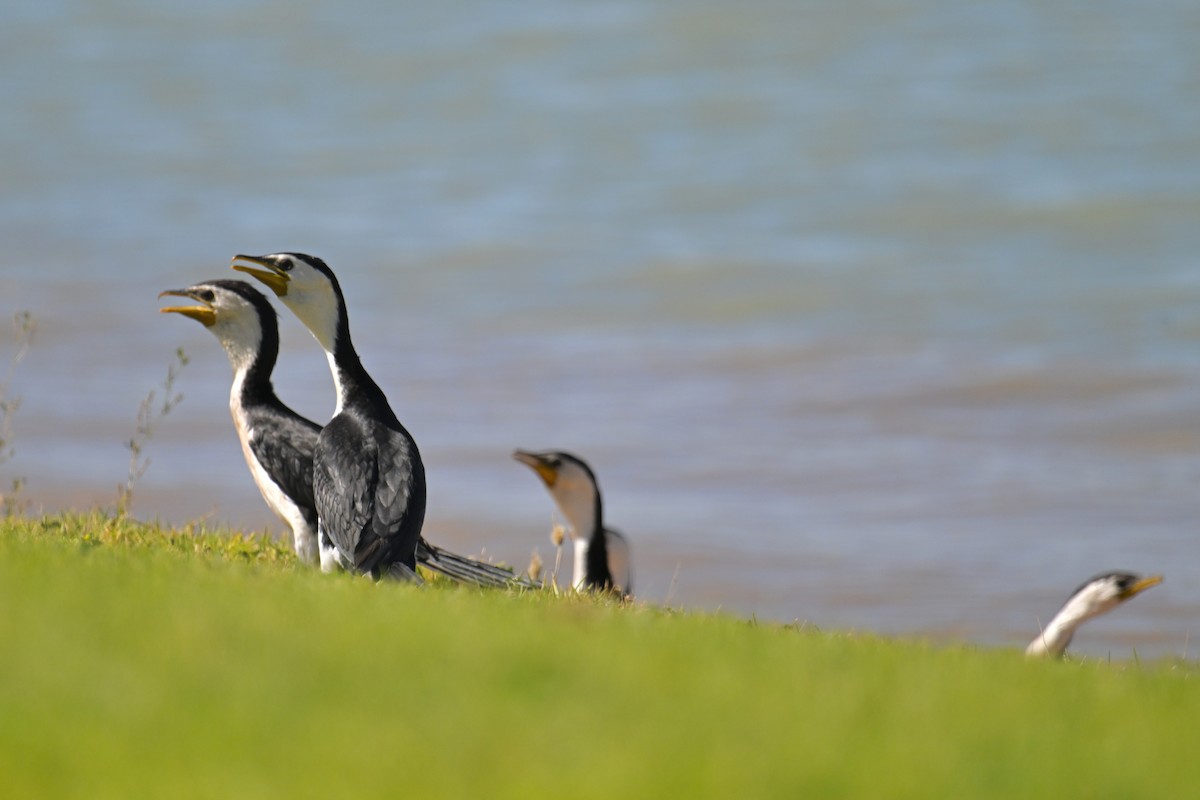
(368, 477)
(601, 554)
(279, 443)
(1095, 597)
(276, 441)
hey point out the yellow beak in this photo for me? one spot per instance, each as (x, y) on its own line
(1142, 585)
(546, 472)
(202, 314)
(275, 280)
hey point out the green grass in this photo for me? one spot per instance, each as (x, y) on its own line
(144, 662)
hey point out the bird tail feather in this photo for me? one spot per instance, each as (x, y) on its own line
(468, 570)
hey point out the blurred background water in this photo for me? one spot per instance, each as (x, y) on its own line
(879, 315)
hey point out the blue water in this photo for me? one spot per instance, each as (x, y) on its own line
(880, 316)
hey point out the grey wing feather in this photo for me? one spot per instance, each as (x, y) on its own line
(399, 499)
(393, 493)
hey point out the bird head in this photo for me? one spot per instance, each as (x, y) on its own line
(235, 312)
(306, 285)
(1106, 591)
(571, 483)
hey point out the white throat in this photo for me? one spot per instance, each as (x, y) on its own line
(576, 499)
(318, 310)
(241, 339)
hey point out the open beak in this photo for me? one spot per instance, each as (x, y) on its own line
(539, 465)
(203, 313)
(1141, 586)
(275, 279)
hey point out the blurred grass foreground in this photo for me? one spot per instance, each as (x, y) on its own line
(141, 661)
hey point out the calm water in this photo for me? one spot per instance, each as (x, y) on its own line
(882, 316)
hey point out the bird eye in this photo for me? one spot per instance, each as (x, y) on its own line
(206, 295)
(286, 265)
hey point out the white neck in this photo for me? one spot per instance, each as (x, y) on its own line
(580, 574)
(1054, 639)
(240, 339)
(235, 393)
(337, 383)
(1051, 642)
(577, 502)
(318, 310)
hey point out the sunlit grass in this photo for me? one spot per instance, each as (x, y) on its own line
(143, 661)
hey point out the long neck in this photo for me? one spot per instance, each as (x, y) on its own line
(253, 363)
(1058, 633)
(581, 506)
(251, 388)
(1053, 641)
(350, 379)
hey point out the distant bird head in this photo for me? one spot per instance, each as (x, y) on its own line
(1096, 596)
(307, 286)
(571, 483)
(1105, 592)
(236, 313)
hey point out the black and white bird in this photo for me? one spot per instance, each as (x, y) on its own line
(602, 559)
(1095, 597)
(276, 441)
(279, 443)
(368, 477)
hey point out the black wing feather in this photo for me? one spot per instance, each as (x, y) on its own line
(399, 497)
(344, 470)
(284, 446)
(394, 490)
(370, 492)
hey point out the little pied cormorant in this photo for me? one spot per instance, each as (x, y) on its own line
(279, 443)
(1095, 597)
(276, 441)
(601, 554)
(368, 477)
